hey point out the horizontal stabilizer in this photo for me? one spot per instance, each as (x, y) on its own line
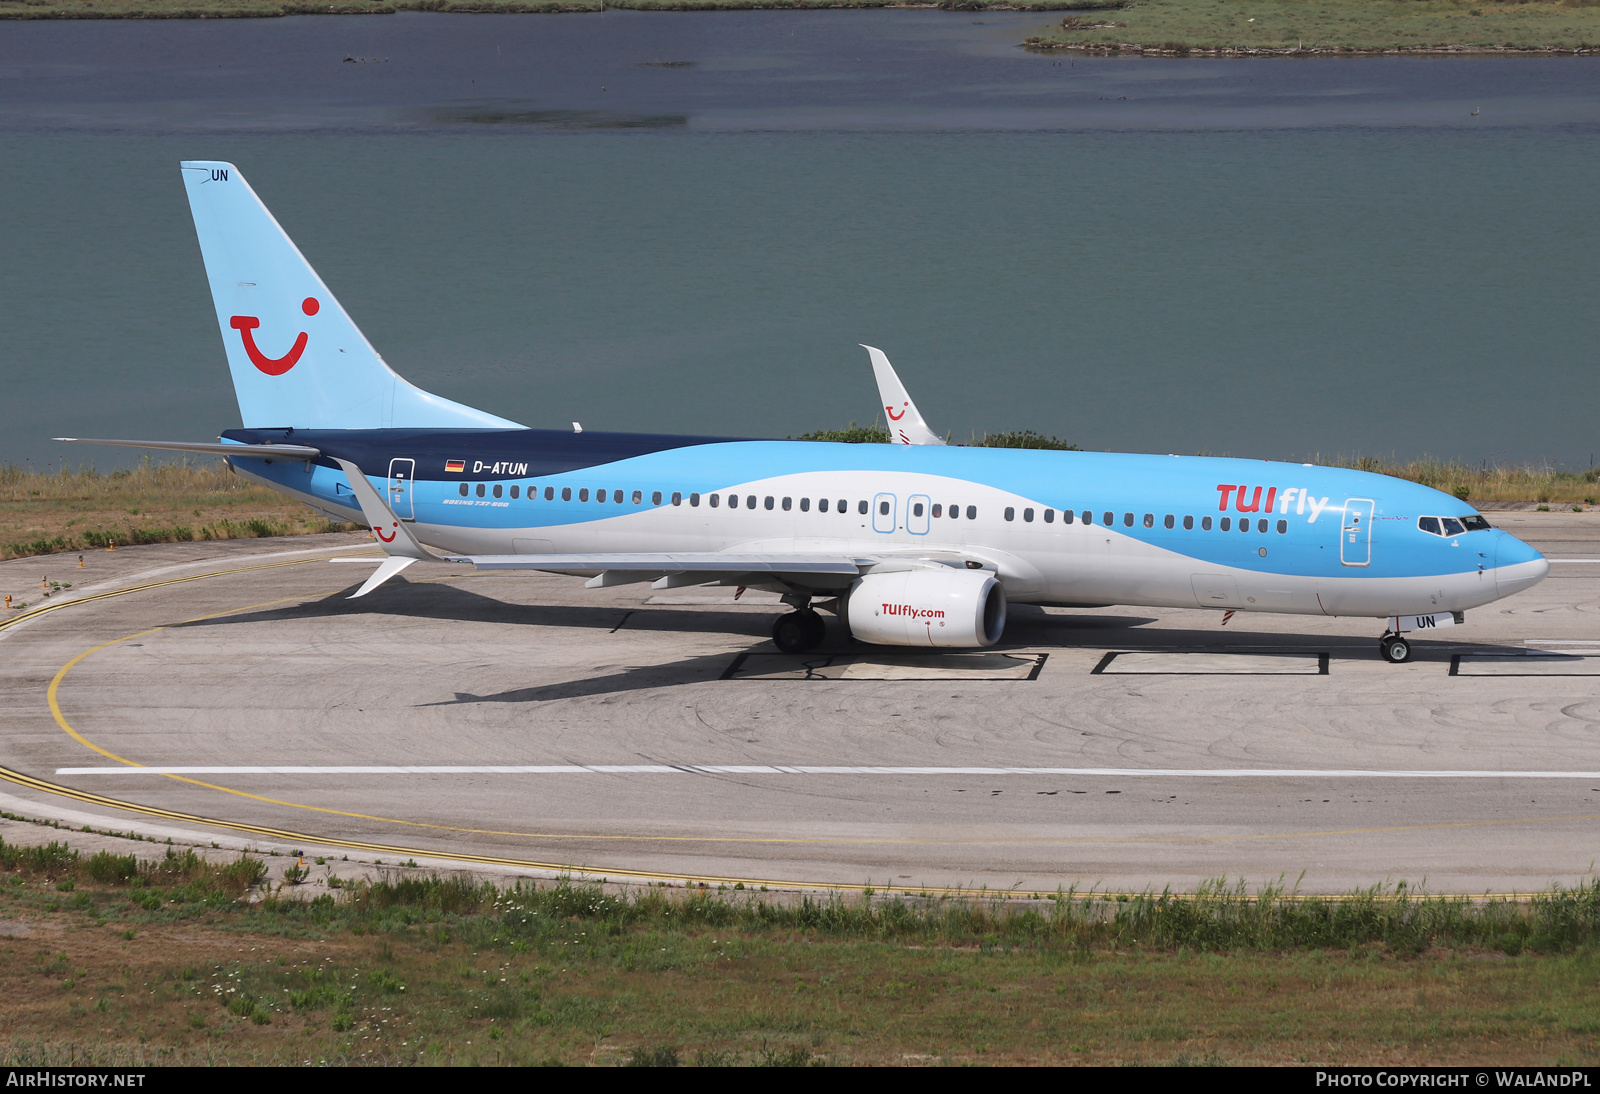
(390, 566)
(214, 448)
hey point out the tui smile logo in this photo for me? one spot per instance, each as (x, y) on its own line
(893, 417)
(272, 366)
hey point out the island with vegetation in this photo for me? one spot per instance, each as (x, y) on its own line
(1133, 27)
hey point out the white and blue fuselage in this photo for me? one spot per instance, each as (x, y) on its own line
(1057, 527)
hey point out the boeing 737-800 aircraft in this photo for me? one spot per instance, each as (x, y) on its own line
(914, 544)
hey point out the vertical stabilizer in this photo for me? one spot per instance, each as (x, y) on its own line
(297, 359)
(905, 420)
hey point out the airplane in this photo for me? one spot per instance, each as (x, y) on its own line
(920, 545)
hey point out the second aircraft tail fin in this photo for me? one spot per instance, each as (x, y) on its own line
(905, 420)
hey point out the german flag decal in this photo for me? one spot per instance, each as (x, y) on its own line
(455, 465)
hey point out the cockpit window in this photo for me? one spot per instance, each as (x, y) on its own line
(1452, 526)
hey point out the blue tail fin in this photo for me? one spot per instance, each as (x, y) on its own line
(297, 359)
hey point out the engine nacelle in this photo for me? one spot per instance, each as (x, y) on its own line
(940, 607)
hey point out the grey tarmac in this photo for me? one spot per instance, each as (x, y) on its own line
(521, 719)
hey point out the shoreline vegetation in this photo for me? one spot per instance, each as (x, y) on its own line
(82, 509)
(116, 958)
(1164, 28)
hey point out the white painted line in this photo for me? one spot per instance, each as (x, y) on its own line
(1563, 642)
(1572, 560)
(785, 769)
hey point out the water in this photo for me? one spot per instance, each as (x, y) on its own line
(1265, 258)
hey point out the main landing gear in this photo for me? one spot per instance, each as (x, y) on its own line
(800, 630)
(1396, 650)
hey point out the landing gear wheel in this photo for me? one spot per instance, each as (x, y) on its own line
(799, 631)
(1396, 650)
(816, 629)
(790, 633)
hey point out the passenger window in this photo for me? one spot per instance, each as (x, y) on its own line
(1261, 525)
(1283, 527)
(639, 497)
(1205, 524)
(955, 512)
(617, 497)
(566, 493)
(1088, 517)
(1149, 520)
(1166, 522)
(733, 501)
(677, 497)
(550, 494)
(516, 491)
(1226, 524)
(1430, 524)
(1244, 524)
(1027, 516)
(694, 500)
(1066, 516)
(805, 505)
(972, 512)
(497, 490)
(1188, 523)
(769, 502)
(1127, 520)
(1010, 513)
(883, 508)
(1049, 516)
(463, 489)
(583, 495)
(788, 503)
(1108, 519)
(655, 497)
(863, 508)
(916, 510)
(938, 510)
(715, 498)
(844, 506)
(750, 502)
(822, 505)
(480, 490)
(1452, 527)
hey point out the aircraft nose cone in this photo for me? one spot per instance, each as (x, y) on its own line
(1516, 565)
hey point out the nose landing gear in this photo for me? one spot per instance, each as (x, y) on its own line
(1396, 650)
(799, 631)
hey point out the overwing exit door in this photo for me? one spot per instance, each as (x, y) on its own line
(401, 472)
(1355, 534)
(883, 513)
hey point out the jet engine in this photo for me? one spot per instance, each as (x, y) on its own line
(941, 607)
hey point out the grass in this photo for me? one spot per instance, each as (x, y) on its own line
(77, 510)
(246, 9)
(178, 960)
(1330, 26)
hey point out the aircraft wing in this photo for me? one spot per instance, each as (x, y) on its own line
(672, 570)
(905, 420)
(286, 451)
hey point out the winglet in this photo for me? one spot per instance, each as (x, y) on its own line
(905, 420)
(392, 535)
